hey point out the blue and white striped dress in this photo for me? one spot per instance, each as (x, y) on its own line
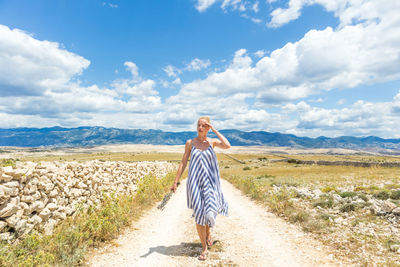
(203, 187)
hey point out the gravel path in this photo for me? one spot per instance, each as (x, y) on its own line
(250, 236)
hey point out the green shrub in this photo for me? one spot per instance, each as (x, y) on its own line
(362, 196)
(326, 216)
(347, 194)
(360, 188)
(392, 186)
(294, 161)
(8, 162)
(329, 189)
(383, 195)
(324, 201)
(299, 216)
(247, 168)
(395, 194)
(348, 207)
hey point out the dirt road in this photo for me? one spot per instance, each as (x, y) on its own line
(249, 236)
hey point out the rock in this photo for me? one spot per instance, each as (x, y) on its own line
(380, 207)
(82, 185)
(11, 188)
(4, 194)
(7, 169)
(45, 214)
(5, 177)
(27, 199)
(76, 192)
(12, 220)
(59, 215)
(7, 236)
(37, 206)
(3, 225)
(69, 210)
(20, 226)
(47, 187)
(317, 193)
(396, 211)
(8, 209)
(35, 219)
(49, 226)
(395, 248)
(52, 206)
(28, 227)
(53, 193)
(388, 206)
(337, 198)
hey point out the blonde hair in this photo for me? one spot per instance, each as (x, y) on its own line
(206, 118)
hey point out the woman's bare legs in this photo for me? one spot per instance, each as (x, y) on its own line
(208, 235)
(201, 230)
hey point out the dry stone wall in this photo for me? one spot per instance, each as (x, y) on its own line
(39, 195)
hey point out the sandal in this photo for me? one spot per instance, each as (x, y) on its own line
(203, 256)
(209, 242)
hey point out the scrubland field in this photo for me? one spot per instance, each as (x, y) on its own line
(353, 210)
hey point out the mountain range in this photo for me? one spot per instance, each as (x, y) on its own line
(92, 136)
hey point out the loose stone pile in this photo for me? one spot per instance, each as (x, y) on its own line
(37, 196)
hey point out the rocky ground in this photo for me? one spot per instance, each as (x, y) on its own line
(361, 222)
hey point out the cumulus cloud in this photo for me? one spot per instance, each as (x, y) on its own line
(30, 67)
(300, 69)
(348, 11)
(198, 64)
(132, 68)
(202, 5)
(360, 119)
(37, 79)
(172, 71)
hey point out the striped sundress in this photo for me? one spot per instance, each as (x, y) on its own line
(203, 187)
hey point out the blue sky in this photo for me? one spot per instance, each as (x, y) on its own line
(306, 67)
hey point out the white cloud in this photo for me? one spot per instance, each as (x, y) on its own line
(348, 11)
(177, 81)
(341, 101)
(30, 67)
(260, 53)
(172, 71)
(304, 68)
(360, 119)
(110, 5)
(255, 7)
(202, 5)
(234, 4)
(198, 64)
(37, 79)
(130, 66)
(317, 100)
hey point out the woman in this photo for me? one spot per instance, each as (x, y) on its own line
(203, 188)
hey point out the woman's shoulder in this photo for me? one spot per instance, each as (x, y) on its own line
(189, 142)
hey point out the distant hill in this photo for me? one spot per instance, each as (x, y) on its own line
(90, 136)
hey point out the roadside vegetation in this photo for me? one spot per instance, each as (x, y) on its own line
(353, 210)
